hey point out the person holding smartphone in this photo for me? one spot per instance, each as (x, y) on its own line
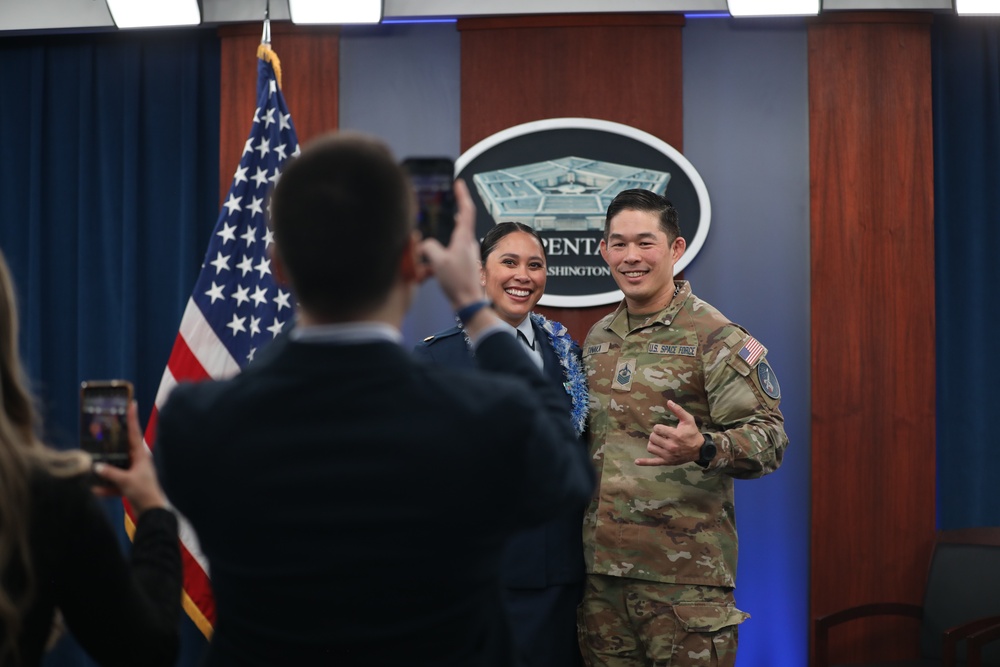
(542, 572)
(57, 549)
(346, 514)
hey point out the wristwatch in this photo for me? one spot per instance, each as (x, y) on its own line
(707, 452)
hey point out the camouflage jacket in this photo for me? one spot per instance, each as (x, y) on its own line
(675, 524)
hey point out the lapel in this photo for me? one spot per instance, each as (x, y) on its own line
(550, 362)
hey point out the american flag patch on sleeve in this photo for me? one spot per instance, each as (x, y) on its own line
(752, 351)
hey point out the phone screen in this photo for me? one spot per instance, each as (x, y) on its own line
(433, 180)
(103, 427)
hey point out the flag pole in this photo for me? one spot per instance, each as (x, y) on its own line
(266, 37)
(264, 51)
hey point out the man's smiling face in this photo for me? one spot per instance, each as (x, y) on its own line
(642, 258)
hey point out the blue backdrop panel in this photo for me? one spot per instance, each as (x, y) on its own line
(966, 80)
(107, 197)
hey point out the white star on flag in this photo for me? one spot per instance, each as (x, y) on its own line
(254, 207)
(264, 147)
(237, 324)
(276, 327)
(221, 263)
(233, 203)
(260, 178)
(241, 295)
(246, 266)
(215, 292)
(281, 301)
(228, 233)
(259, 295)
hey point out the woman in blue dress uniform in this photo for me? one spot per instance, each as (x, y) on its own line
(542, 571)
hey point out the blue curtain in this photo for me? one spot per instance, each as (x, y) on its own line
(966, 81)
(108, 194)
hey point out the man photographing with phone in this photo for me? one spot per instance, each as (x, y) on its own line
(344, 513)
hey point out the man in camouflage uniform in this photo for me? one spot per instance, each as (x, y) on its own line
(682, 401)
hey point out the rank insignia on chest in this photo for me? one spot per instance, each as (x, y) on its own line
(624, 373)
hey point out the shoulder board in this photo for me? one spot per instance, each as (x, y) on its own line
(447, 333)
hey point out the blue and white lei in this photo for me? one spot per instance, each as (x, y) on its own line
(576, 377)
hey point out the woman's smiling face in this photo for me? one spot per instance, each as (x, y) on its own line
(514, 276)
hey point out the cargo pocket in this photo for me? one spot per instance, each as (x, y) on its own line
(707, 633)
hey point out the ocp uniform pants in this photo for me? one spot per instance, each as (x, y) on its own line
(635, 623)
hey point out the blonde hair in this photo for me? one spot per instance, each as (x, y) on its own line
(21, 453)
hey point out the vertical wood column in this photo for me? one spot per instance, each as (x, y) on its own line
(310, 70)
(624, 68)
(873, 388)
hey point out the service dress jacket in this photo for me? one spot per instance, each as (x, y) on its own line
(550, 554)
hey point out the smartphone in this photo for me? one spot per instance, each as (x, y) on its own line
(103, 427)
(433, 179)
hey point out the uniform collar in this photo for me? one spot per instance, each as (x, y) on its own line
(619, 321)
(525, 328)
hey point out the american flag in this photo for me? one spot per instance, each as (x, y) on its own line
(236, 307)
(752, 351)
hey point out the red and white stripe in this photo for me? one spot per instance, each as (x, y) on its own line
(197, 355)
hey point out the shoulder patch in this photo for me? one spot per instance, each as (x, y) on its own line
(768, 380)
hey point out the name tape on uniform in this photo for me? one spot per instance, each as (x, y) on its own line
(596, 349)
(682, 350)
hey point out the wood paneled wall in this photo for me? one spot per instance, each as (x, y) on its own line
(617, 67)
(310, 82)
(872, 282)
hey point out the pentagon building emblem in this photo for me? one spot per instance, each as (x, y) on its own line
(559, 175)
(565, 194)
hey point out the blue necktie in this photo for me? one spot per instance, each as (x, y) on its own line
(524, 339)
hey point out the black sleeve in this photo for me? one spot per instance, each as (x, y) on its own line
(122, 614)
(181, 455)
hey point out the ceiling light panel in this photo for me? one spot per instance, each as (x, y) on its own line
(978, 7)
(335, 11)
(774, 7)
(154, 13)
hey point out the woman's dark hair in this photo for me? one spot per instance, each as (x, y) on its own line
(500, 230)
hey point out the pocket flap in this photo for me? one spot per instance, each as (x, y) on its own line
(708, 617)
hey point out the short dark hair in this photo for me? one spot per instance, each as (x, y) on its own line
(638, 199)
(342, 212)
(500, 230)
